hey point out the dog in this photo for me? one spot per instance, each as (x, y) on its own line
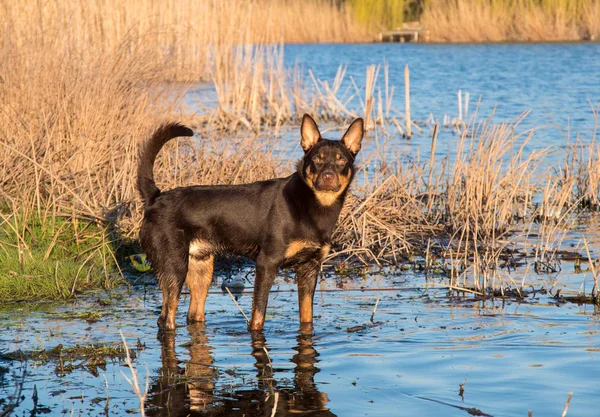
(281, 222)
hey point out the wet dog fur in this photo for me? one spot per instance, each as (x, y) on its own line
(282, 222)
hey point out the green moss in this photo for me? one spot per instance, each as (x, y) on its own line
(52, 257)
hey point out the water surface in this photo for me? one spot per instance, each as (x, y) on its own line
(511, 356)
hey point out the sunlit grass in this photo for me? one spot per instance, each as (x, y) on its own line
(52, 256)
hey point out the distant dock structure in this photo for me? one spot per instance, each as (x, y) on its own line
(409, 32)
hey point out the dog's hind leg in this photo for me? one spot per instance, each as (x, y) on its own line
(171, 286)
(171, 271)
(198, 279)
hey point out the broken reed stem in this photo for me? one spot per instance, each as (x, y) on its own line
(564, 413)
(592, 268)
(133, 382)
(276, 395)
(238, 306)
(374, 309)
(455, 288)
(407, 100)
(432, 156)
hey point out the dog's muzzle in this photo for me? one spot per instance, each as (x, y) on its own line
(328, 181)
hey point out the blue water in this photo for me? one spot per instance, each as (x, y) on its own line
(555, 81)
(511, 356)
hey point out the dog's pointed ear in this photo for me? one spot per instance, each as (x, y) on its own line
(353, 137)
(310, 133)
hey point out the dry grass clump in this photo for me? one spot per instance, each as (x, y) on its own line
(255, 90)
(70, 123)
(582, 166)
(474, 216)
(511, 20)
(383, 220)
(68, 137)
(69, 131)
(489, 184)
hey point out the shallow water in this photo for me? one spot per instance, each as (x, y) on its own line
(511, 356)
(555, 80)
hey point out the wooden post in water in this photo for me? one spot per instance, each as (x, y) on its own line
(407, 101)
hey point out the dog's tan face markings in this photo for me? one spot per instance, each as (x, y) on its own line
(327, 198)
(327, 167)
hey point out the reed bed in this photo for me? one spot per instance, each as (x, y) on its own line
(195, 37)
(511, 20)
(473, 217)
(75, 104)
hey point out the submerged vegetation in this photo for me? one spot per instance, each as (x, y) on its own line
(69, 359)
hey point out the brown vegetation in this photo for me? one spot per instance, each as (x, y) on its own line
(75, 103)
(512, 20)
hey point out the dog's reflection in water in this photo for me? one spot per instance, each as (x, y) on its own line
(190, 389)
(180, 390)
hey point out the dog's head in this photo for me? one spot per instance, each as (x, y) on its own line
(328, 165)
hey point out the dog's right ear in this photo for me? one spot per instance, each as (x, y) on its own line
(310, 133)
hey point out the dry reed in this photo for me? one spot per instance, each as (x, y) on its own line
(75, 105)
(511, 20)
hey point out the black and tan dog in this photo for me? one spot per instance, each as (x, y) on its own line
(279, 222)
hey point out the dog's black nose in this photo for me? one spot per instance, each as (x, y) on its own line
(328, 177)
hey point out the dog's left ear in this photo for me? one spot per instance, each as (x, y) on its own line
(310, 133)
(353, 136)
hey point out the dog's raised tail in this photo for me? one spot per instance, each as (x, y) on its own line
(148, 151)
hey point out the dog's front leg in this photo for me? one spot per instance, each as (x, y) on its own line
(306, 276)
(266, 269)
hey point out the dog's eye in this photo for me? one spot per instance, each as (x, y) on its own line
(318, 160)
(340, 162)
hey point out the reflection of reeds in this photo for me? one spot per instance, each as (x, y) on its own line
(133, 381)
